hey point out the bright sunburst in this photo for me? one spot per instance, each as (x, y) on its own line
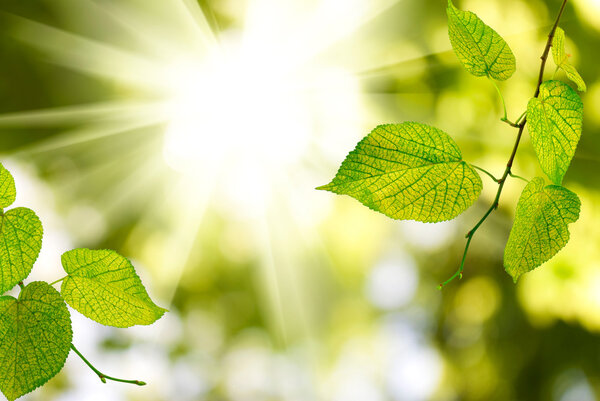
(238, 110)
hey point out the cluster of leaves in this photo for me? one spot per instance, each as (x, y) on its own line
(413, 171)
(35, 328)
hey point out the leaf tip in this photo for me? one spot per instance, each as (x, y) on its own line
(326, 187)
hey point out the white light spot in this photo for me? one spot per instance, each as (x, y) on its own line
(393, 283)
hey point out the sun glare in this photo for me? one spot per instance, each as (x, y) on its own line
(243, 103)
(234, 106)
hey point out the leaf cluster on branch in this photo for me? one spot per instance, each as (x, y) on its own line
(35, 328)
(412, 171)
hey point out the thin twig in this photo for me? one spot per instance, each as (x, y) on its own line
(511, 159)
(101, 375)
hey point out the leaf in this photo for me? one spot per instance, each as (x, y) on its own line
(20, 243)
(561, 59)
(8, 192)
(35, 338)
(478, 47)
(555, 119)
(408, 171)
(103, 286)
(541, 224)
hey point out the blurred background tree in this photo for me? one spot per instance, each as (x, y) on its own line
(189, 136)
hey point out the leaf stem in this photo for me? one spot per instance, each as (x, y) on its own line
(517, 122)
(485, 171)
(511, 159)
(505, 118)
(59, 280)
(518, 176)
(101, 375)
(521, 118)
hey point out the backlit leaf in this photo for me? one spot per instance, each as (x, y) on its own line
(408, 171)
(478, 47)
(8, 193)
(20, 243)
(561, 59)
(541, 224)
(103, 286)
(35, 338)
(555, 119)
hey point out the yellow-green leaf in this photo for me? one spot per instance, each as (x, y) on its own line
(561, 59)
(408, 171)
(20, 243)
(103, 285)
(8, 193)
(555, 119)
(541, 224)
(478, 47)
(35, 338)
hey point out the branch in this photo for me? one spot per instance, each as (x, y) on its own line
(101, 375)
(507, 170)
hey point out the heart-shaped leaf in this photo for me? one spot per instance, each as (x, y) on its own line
(541, 224)
(20, 243)
(478, 47)
(408, 171)
(103, 286)
(35, 338)
(555, 119)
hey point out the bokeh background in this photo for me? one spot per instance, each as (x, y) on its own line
(190, 135)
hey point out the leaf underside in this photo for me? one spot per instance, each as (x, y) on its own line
(561, 59)
(103, 285)
(35, 338)
(408, 171)
(555, 119)
(541, 224)
(479, 48)
(20, 243)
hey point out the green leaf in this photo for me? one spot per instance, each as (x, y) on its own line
(540, 229)
(555, 119)
(561, 59)
(408, 171)
(8, 192)
(103, 286)
(35, 338)
(478, 47)
(20, 243)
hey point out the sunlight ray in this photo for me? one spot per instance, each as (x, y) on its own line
(79, 53)
(318, 34)
(188, 204)
(90, 133)
(79, 113)
(198, 20)
(192, 35)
